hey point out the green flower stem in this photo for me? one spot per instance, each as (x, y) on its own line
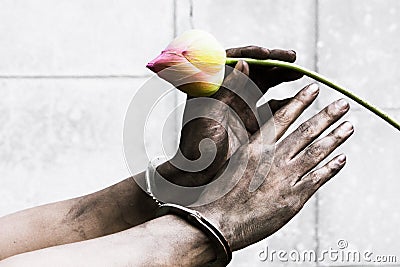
(320, 78)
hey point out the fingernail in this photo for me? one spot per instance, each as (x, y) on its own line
(312, 89)
(341, 159)
(347, 127)
(342, 104)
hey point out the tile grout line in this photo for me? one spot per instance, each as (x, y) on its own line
(174, 18)
(191, 21)
(94, 76)
(176, 98)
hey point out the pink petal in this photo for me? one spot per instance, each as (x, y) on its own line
(165, 60)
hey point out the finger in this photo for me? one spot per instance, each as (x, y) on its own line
(310, 183)
(285, 116)
(284, 55)
(309, 130)
(250, 51)
(244, 102)
(233, 82)
(241, 66)
(275, 104)
(258, 52)
(241, 98)
(235, 77)
(315, 153)
(265, 111)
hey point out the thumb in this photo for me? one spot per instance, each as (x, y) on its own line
(238, 78)
(241, 66)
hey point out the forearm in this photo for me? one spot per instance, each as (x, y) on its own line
(110, 210)
(165, 241)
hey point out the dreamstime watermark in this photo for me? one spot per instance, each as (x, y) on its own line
(339, 254)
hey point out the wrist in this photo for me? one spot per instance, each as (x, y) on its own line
(220, 245)
(220, 220)
(195, 248)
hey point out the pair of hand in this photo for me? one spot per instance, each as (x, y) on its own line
(272, 178)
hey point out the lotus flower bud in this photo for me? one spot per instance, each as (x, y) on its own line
(193, 62)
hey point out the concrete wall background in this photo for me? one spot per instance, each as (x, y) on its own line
(68, 70)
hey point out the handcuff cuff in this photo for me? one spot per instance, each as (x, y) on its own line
(194, 218)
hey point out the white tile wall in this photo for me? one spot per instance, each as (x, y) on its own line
(68, 70)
